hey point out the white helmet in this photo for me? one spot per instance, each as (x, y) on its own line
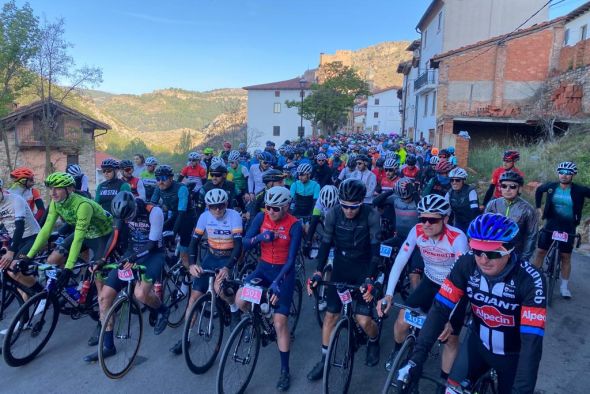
(458, 173)
(194, 156)
(151, 161)
(216, 196)
(433, 203)
(277, 196)
(304, 168)
(233, 155)
(434, 160)
(329, 196)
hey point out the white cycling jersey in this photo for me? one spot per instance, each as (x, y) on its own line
(439, 255)
(12, 208)
(221, 233)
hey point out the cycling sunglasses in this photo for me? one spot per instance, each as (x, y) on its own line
(162, 178)
(491, 255)
(350, 207)
(511, 187)
(274, 209)
(215, 175)
(358, 163)
(216, 207)
(429, 220)
(565, 172)
(390, 170)
(456, 180)
(128, 169)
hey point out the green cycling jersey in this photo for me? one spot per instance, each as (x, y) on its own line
(88, 218)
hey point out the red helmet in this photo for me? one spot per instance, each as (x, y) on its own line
(443, 166)
(511, 155)
(227, 145)
(22, 172)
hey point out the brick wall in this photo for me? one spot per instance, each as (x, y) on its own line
(572, 57)
(566, 88)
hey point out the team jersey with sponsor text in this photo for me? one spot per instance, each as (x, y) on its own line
(221, 233)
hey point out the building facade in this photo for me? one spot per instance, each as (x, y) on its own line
(383, 111)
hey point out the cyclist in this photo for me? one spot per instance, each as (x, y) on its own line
(508, 164)
(80, 178)
(244, 155)
(138, 226)
(24, 180)
(224, 154)
(347, 171)
(441, 183)
(218, 180)
(304, 192)
(520, 211)
(463, 200)
(193, 175)
(508, 303)
(440, 245)
(353, 229)
(136, 184)
(271, 178)
(224, 238)
(365, 175)
(562, 212)
(327, 199)
(148, 177)
(208, 153)
(279, 235)
(410, 169)
(429, 172)
(255, 183)
(379, 172)
(388, 182)
(239, 175)
(179, 212)
(322, 173)
(138, 165)
(107, 190)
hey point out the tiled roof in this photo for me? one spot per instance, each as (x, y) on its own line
(290, 84)
(578, 11)
(414, 45)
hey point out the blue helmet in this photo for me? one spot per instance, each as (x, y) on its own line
(492, 227)
(267, 157)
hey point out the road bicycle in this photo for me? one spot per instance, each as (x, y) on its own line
(552, 260)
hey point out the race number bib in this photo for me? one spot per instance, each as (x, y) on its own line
(345, 297)
(125, 275)
(416, 321)
(561, 237)
(385, 250)
(251, 294)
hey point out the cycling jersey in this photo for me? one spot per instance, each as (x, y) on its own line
(107, 190)
(435, 186)
(439, 255)
(389, 184)
(304, 196)
(149, 183)
(410, 172)
(221, 233)
(370, 181)
(194, 176)
(464, 205)
(277, 251)
(88, 218)
(240, 177)
(137, 188)
(322, 174)
(255, 183)
(14, 208)
(33, 198)
(554, 222)
(228, 186)
(319, 209)
(494, 189)
(508, 314)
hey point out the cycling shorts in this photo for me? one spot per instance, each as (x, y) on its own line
(545, 241)
(268, 272)
(210, 262)
(185, 231)
(154, 262)
(96, 245)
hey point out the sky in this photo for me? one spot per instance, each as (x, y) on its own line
(144, 45)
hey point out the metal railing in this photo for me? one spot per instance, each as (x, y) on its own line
(426, 78)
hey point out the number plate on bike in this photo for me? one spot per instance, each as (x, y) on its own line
(561, 237)
(345, 296)
(416, 321)
(125, 275)
(385, 250)
(251, 294)
(51, 273)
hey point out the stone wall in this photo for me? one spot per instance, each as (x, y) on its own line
(576, 82)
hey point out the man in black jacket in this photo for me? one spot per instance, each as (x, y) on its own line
(562, 212)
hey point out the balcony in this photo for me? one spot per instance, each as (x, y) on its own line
(425, 81)
(29, 136)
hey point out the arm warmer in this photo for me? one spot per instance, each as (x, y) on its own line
(249, 239)
(489, 194)
(17, 236)
(40, 209)
(193, 249)
(236, 252)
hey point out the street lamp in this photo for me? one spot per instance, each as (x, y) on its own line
(301, 130)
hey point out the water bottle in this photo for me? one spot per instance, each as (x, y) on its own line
(73, 292)
(84, 291)
(158, 290)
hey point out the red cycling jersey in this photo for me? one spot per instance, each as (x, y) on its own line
(277, 251)
(496, 178)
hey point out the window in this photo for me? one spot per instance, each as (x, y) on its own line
(439, 21)
(433, 110)
(277, 108)
(376, 101)
(583, 32)
(425, 113)
(277, 93)
(375, 114)
(72, 159)
(424, 38)
(566, 36)
(276, 131)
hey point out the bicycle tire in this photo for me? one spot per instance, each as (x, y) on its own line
(485, 385)
(341, 336)
(197, 323)
(237, 335)
(174, 296)
(320, 300)
(401, 358)
(125, 309)
(10, 295)
(23, 321)
(295, 310)
(552, 260)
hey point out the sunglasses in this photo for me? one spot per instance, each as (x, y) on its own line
(511, 187)
(456, 180)
(262, 162)
(216, 207)
(429, 220)
(350, 207)
(194, 160)
(491, 255)
(320, 160)
(565, 172)
(162, 178)
(215, 175)
(274, 209)
(107, 171)
(129, 169)
(358, 163)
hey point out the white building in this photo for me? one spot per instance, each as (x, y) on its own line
(269, 118)
(448, 25)
(576, 27)
(383, 115)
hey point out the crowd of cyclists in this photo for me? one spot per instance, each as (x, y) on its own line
(335, 201)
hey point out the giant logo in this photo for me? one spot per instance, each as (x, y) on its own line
(492, 317)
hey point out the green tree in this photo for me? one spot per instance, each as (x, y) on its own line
(328, 105)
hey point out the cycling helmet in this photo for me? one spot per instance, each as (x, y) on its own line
(391, 163)
(511, 155)
(458, 173)
(60, 179)
(434, 151)
(433, 203)
(444, 152)
(164, 170)
(304, 168)
(109, 163)
(568, 166)
(337, 152)
(512, 176)
(233, 155)
(208, 151)
(124, 206)
(491, 227)
(451, 150)
(434, 160)
(380, 162)
(329, 196)
(194, 156)
(126, 164)
(443, 166)
(151, 161)
(277, 196)
(218, 166)
(74, 170)
(272, 175)
(411, 160)
(363, 157)
(404, 188)
(22, 172)
(227, 144)
(267, 157)
(321, 156)
(352, 190)
(216, 196)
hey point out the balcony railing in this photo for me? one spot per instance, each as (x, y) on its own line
(424, 79)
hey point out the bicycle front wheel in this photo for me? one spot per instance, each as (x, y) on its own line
(487, 384)
(30, 329)
(552, 273)
(125, 320)
(202, 336)
(239, 358)
(10, 304)
(392, 385)
(339, 359)
(295, 309)
(177, 292)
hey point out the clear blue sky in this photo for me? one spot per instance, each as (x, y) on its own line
(143, 45)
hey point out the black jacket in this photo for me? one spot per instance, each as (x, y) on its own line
(578, 193)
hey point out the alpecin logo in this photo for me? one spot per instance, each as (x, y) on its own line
(492, 317)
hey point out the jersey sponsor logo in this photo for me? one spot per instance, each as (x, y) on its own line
(533, 316)
(486, 299)
(219, 231)
(108, 192)
(474, 279)
(450, 291)
(436, 253)
(509, 290)
(492, 317)
(537, 281)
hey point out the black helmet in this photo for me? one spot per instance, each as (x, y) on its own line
(124, 206)
(164, 170)
(380, 161)
(363, 157)
(109, 163)
(126, 164)
(511, 176)
(352, 190)
(411, 160)
(272, 175)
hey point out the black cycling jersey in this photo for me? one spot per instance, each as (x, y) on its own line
(228, 186)
(464, 206)
(176, 204)
(107, 190)
(322, 174)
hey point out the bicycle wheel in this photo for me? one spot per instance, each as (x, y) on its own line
(30, 329)
(239, 358)
(403, 356)
(552, 271)
(246, 270)
(295, 309)
(339, 359)
(487, 384)
(127, 323)
(320, 296)
(202, 335)
(11, 303)
(176, 294)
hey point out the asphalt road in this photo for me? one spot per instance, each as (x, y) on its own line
(60, 369)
